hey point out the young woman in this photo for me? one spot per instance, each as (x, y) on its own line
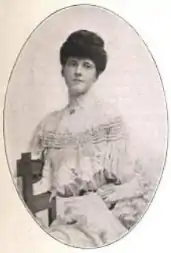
(100, 192)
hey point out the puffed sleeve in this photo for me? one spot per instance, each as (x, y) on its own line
(47, 125)
(132, 191)
(36, 144)
(39, 151)
(132, 179)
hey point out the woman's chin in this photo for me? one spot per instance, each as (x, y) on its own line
(78, 92)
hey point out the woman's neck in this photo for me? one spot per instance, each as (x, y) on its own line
(80, 99)
(76, 100)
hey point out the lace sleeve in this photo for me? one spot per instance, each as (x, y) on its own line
(39, 151)
(35, 145)
(132, 190)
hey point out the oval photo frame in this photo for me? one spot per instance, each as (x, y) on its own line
(110, 136)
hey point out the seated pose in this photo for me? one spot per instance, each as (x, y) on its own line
(100, 193)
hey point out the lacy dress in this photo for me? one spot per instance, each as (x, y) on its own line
(100, 192)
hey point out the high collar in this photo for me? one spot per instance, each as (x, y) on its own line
(92, 108)
(83, 101)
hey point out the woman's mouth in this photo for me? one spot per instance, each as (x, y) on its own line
(76, 80)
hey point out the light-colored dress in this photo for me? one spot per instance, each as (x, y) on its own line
(100, 192)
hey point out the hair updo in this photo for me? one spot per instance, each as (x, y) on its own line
(85, 44)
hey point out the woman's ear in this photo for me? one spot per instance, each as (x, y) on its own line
(97, 76)
(62, 71)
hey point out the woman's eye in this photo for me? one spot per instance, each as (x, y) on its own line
(72, 63)
(87, 65)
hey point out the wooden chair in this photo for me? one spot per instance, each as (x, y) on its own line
(30, 172)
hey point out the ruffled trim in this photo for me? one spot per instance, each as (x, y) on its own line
(80, 187)
(104, 133)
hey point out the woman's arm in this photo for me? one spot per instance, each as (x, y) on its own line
(125, 177)
(39, 151)
(131, 194)
(36, 145)
(136, 186)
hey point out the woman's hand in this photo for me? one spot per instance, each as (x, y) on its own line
(112, 198)
(108, 193)
(106, 190)
(112, 193)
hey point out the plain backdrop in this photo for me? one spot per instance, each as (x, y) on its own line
(19, 233)
(131, 82)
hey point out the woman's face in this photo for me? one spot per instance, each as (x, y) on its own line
(79, 75)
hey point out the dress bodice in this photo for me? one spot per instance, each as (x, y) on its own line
(82, 145)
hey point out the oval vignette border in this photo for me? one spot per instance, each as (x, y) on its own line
(165, 103)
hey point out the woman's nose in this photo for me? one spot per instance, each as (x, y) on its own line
(78, 70)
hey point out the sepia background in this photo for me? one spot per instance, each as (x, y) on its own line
(18, 231)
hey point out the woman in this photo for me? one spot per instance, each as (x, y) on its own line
(100, 193)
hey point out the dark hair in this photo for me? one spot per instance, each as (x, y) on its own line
(85, 44)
